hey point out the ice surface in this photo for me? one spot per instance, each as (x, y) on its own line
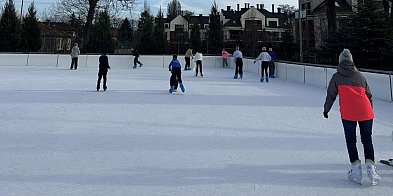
(58, 136)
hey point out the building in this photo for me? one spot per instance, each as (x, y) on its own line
(252, 27)
(178, 31)
(57, 37)
(314, 20)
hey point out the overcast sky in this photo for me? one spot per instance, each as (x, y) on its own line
(197, 6)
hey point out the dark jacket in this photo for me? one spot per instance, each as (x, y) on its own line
(355, 95)
(135, 53)
(104, 64)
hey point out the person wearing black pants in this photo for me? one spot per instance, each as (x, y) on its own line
(265, 58)
(175, 69)
(103, 70)
(198, 59)
(238, 55)
(136, 56)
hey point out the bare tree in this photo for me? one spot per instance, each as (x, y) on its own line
(86, 9)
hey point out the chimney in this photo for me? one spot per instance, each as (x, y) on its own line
(279, 10)
(272, 8)
(238, 7)
(245, 5)
(258, 6)
(262, 6)
(229, 8)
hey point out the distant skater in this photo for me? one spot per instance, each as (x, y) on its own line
(198, 59)
(75, 52)
(272, 64)
(187, 58)
(175, 68)
(265, 58)
(136, 55)
(102, 71)
(238, 56)
(225, 55)
(356, 107)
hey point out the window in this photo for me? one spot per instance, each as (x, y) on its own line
(179, 27)
(191, 25)
(206, 26)
(166, 25)
(272, 23)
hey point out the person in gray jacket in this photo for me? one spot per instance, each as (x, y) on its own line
(75, 52)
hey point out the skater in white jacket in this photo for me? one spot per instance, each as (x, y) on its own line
(265, 58)
(75, 52)
(198, 59)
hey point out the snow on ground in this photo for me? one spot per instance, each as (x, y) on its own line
(221, 137)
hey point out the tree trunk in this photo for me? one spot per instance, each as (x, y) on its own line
(88, 24)
(331, 16)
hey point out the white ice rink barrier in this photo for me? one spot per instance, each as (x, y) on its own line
(316, 75)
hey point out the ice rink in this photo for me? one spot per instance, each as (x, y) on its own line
(58, 136)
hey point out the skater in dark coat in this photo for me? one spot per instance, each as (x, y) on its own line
(175, 69)
(356, 107)
(136, 55)
(102, 71)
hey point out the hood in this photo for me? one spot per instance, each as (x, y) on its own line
(347, 68)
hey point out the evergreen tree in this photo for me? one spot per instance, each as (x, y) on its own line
(145, 27)
(125, 34)
(101, 37)
(159, 34)
(10, 29)
(369, 36)
(31, 40)
(288, 43)
(195, 37)
(215, 31)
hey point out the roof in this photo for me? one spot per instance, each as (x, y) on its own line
(235, 16)
(57, 29)
(341, 6)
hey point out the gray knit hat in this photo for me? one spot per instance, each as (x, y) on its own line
(345, 56)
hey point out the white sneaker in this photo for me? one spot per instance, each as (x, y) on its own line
(372, 172)
(355, 174)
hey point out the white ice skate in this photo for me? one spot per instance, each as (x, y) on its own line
(355, 174)
(372, 172)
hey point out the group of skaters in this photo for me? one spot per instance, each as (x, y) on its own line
(267, 58)
(356, 105)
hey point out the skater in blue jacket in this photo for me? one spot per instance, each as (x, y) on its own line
(175, 69)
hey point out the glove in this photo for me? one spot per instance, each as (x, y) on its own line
(325, 114)
(170, 69)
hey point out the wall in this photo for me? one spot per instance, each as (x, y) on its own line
(380, 83)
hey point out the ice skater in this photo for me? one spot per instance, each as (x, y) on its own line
(265, 58)
(356, 107)
(225, 55)
(136, 55)
(198, 60)
(187, 58)
(272, 64)
(102, 71)
(175, 68)
(75, 52)
(238, 56)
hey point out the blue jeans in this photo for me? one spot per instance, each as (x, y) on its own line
(365, 133)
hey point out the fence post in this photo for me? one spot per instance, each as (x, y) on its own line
(390, 81)
(286, 71)
(304, 74)
(57, 60)
(326, 83)
(163, 61)
(27, 60)
(87, 56)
